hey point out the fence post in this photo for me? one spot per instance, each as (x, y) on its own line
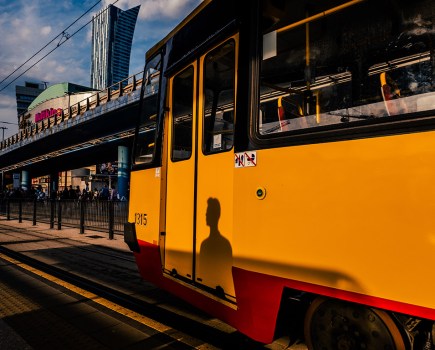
(82, 216)
(34, 212)
(20, 210)
(8, 209)
(59, 215)
(52, 204)
(111, 219)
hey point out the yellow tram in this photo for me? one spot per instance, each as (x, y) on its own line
(283, 166)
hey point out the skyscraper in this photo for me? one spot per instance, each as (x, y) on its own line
(112, 36)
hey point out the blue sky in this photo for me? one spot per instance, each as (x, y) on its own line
(27, 26)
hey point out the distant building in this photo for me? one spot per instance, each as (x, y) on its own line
(26, 94)
(112, 36)
(54, 100)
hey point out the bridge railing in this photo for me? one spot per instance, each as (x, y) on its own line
(97, 215)
(112, 92)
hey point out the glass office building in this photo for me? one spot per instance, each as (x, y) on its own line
(112, 36)
(26, 94)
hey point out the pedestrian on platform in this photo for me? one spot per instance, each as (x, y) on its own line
(72, 193)
(104, 194)
(114, 195)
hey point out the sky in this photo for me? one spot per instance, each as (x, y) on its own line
(26, 27)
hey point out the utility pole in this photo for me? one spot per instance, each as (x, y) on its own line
(3, 138)
(3, 130)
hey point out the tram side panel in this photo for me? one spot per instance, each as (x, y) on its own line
(351, 220)
(144, 212)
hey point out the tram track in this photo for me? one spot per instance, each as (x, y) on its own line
(112, 274)
(198, 330)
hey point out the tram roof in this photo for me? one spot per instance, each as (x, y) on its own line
(186, 20)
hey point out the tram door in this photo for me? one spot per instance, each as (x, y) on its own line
(199, 203)
(180, 191)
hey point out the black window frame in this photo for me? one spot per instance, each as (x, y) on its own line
(156, 154)
(204, 150)
(192, 112)
(400, 124)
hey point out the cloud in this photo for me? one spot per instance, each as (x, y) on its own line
(68, 69)
(165, 8)
(27, 26)
(8, 114)
(35, 25)
(158, 9)
(45, 30)
(6, 101)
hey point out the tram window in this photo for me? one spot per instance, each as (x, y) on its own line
(182, 112)
(352, 65)
(146, 136)
(219, 72)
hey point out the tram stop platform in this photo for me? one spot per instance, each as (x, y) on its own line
(93, 238)
(69, 250)
(94, 257)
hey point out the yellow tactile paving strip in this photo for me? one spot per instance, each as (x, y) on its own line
(38, 326)
(13, 304)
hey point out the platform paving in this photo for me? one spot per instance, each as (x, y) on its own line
(9, 338)
(89, 237)
(93, 256)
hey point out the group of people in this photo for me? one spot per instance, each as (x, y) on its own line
(108, 194)
(22, 193)
(68, 193)
(76, 194)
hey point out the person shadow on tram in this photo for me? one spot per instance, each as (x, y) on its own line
(216, 255)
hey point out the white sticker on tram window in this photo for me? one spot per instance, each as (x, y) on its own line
(245, 159)
(269, 45)
(157, 174)
(217, 141)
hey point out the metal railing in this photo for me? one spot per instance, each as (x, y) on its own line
(97, 215)
(99, 98)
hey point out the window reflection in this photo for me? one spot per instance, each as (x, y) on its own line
(182, 113)
(355, 64)
(219, 72)
(146, 137)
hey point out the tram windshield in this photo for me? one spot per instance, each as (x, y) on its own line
(333, 64)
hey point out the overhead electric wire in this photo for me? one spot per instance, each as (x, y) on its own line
(63, 34)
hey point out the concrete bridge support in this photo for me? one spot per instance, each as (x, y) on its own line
(25, 180)
(54, 185)
(123, 171)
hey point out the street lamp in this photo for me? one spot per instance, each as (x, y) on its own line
(3, 138)
(4, 128)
